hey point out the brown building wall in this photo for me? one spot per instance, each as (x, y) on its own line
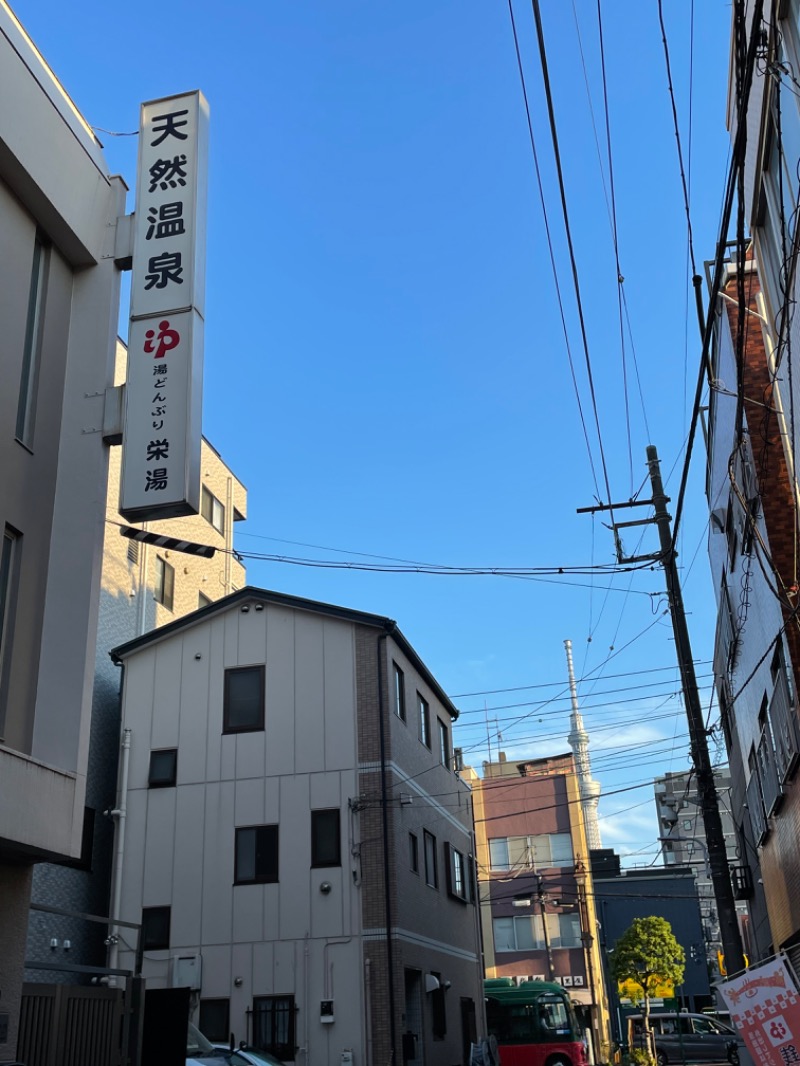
(780, 855)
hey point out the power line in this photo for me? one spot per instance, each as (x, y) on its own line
(568, 233)
(549, 239)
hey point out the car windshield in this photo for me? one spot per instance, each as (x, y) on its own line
(196, 1043)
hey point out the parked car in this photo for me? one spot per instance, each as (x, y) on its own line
(681, 1037)
(201, 1052)
(251, 1055)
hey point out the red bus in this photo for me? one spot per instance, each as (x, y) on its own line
(534, 1023)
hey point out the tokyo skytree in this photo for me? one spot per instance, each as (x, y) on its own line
(579, 742)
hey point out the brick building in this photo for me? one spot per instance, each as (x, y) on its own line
(142, 587)
(298, 845)
(537, 901)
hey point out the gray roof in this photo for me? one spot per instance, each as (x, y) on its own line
(250, 594)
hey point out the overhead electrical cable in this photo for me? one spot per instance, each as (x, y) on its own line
(551, 251)
(568, 233)
(737, 161)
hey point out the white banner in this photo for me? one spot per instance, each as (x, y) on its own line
(162, 430)
(765, 1008)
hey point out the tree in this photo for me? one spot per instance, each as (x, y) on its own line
(648, 954)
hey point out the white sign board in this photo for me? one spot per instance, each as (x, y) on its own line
(163, 402)
(765, 1008)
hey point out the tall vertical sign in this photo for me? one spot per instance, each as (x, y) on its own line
(164, 389)
(765, 1008)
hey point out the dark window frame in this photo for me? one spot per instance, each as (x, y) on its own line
(445, 755)
(424, 713)
(413, 852)
(162, 779)
(274, 1025)
(399, 692)
(431, 859)
(154, 920)
(266, 845)
(219, 1008)
(32, 350)
(207, 501)
(164, 591)
(318, 819)
(456, 861)
(249, 727)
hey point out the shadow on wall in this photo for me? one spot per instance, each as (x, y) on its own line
(84, 887)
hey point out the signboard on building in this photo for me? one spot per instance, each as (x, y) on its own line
(164, 388)
(765, 1008)
(632, 992)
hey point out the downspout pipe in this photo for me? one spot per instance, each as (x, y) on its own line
(386, 865)
(119, 814)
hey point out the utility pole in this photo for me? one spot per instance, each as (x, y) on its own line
(712, 823)
(541, 897)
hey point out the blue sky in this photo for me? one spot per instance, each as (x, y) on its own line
(385, 363)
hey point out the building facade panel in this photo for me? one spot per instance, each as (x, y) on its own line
(305, 915)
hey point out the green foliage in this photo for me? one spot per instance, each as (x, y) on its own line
(637, 1057)
(648, 953)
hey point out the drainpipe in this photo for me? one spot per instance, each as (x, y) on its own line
(228, 534)
(386, 866)
(368, 1012)
(119, 815)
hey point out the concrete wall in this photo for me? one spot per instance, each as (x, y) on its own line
(128, 607)
(54, 183)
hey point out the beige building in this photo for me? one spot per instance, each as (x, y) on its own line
(538, 911)
(143, 587)
(59, 303)
(298, 846)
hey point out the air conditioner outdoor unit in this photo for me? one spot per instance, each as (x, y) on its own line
(577, 982)
(566, 982)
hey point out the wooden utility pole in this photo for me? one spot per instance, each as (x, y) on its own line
(698, 736)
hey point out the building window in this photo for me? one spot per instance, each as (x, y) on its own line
(243, 709)
(203, 600)
(163, 768)
(325, 838)
(457, 873)
(431, 869)
(9, 582)
(413, 852)
(444, 743)
(530, 852)
(165, 583)
(424, 721)
(212, 510)
(155, 928)
(399, 692)
(26, 407)
(256, 855)
(215, 1019)
(274, 1025)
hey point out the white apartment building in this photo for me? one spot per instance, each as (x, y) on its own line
(297, 845)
